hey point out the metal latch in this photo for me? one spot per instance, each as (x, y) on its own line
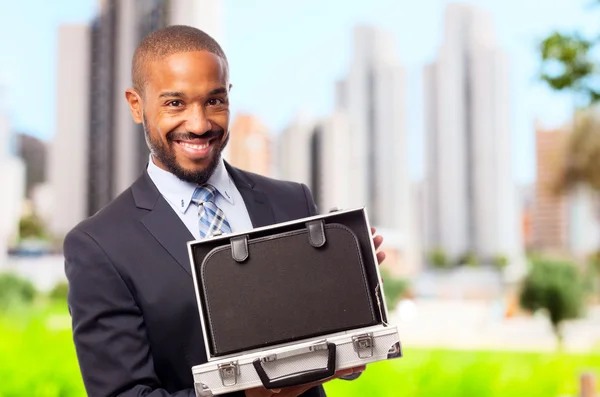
(202, 390)
(363, 345)
(229, 372)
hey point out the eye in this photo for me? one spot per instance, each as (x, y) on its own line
(175, 103)
(215, 102)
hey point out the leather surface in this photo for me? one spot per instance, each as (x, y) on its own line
(316, 233)
(286, 290)
(239, 248)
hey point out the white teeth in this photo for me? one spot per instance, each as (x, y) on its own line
(195, 147)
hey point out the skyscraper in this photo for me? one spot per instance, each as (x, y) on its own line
(69, 148)
(372, 95)
(294, 158)
(471, 195)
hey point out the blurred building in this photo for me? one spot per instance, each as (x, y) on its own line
(331, 178)
(372, 95)
(69, 148)
(317, 152)
(550, 209)
(562, 223)
(357, 156)
(250, 145)
(112, 150)
(12, 178)
(472, 198)
(33, 152)
(584, 223)
(294, 158)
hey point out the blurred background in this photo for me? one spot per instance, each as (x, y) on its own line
(469, 130)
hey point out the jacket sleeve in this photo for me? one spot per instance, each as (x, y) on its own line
(108, 327)
(310, 202)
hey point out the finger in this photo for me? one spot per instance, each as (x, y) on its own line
(373, 231)
(275, 391)
(377, 241)
(380, 257)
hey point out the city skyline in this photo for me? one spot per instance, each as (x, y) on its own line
(255, 93)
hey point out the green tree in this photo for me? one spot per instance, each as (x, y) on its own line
(393, 287)
(555, 287)
(60, 292)
(568, 65)
(500, 261)
(15, 291)
(468, 259)
(32, 227)
(438, 259)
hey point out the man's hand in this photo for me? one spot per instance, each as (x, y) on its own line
(298, 390)
(377, 240)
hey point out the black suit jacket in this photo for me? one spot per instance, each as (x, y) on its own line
(136, 325)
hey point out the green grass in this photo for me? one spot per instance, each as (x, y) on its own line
(37, 358)
(446, 373)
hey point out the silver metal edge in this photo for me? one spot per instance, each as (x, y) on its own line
(249, 356)
(198, 301)
(381, 289)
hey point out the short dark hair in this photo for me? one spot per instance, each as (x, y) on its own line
(168, 41)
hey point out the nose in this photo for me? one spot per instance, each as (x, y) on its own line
(197, 122)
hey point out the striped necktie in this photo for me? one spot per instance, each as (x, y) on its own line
(211, 218)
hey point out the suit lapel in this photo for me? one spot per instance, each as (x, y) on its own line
(257, 202)
(258, 206)
(172, 234)
(162, 222)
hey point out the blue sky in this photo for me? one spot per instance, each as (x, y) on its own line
(286, 55)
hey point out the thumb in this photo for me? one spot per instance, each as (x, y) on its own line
(276, 391)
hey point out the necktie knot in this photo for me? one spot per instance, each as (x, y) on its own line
(204, 194)
(211, 218)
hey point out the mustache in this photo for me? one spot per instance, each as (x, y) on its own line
(186, 136)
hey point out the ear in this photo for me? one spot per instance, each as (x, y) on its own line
(135, 105)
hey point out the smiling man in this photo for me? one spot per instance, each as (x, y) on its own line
(136, 325)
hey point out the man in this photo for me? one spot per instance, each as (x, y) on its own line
(136, 325)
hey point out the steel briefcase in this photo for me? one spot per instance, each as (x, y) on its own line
(290, 303)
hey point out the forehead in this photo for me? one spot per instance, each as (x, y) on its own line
(187, 71)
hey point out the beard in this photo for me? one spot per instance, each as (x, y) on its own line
(165, 153)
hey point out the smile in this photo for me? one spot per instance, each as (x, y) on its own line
(197, 149)
(195, 146)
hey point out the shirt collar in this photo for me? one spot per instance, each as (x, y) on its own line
(222, 182)
(179, 193)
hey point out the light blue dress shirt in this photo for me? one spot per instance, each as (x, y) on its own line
(179, 196)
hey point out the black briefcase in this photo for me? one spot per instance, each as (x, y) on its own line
(297, 291)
